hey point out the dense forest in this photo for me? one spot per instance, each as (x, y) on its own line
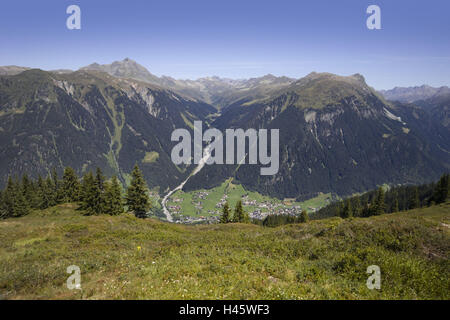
(279, 219)
(93, 192)
(394, 199)
(371, 203)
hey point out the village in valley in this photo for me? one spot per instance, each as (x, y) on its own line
(205, 206)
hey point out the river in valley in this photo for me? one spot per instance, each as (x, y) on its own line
(201, 164)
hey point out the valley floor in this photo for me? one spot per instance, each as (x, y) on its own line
(205, 205)
(123, 257)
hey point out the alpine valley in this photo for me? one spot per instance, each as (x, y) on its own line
(338, 135)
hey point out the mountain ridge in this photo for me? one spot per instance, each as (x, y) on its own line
(337, 134)
(89, 119)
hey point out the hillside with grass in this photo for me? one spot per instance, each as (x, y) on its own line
(123, 257)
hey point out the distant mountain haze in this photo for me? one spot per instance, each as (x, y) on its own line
(11, 70)
(411, 94)
(125, 69)
(219, 92)
(435, 100)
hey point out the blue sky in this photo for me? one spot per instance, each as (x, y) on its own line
(236, 39)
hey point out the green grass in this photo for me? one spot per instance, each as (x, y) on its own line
(317, 202)
(325, 259)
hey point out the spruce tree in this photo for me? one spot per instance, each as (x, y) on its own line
(357, 207)
(113, 197)
(395, 206)
(8, 199)
(441, 190)
(380, 206)
(100, 183)
(90, 195)
(238, 215)
(70, 185)
(340, 209)
(137, 198)
(304, 216)
(16, 204)
(2, 205)
(414, 201)
(347, 210)
(29, 191)
(51, 191)
(225, 213)
(365, 212)
(99, 179)
(43, 194)
(58, 191)
(21, 205)
(246, 217)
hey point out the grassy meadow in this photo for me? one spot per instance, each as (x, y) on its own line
(122, 257)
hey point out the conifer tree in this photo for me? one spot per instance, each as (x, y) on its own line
(99, 179)
(441, 190)
(238, 215)
(15, 202)
(365, 212)
(340, 209)
(21, 205)
(8, 199)
(2, 205)
(246, 217)
(90, 195)
(113, 197)
(357, 207)
(42, 194)
(380, 206)
(137, 198)
(415, 201)
(225, 213)
(347, 210)
(70, 185)
(100, 183)
(57, 187)
(304, 216)
(51, 192)
(395, 206)
(28, 190)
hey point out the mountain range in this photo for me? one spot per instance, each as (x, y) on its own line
(412, 94)
(216, 91)
(89, 119)
(337, 134)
